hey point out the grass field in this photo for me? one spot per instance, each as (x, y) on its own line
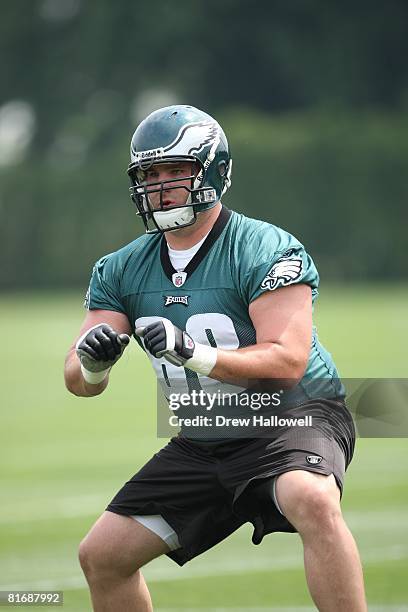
(63, 458)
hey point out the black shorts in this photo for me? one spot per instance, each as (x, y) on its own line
(207, 490)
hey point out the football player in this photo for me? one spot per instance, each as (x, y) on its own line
(221, 304)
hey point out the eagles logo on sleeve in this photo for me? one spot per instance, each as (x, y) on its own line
(284, 272)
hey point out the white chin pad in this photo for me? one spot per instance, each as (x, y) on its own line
(168, 219)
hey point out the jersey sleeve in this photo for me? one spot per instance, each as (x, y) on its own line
(104, 287)
(277, 259)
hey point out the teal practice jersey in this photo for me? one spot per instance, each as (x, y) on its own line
(240, 259)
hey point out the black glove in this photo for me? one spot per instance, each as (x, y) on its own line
(99, 349)
(163, 339)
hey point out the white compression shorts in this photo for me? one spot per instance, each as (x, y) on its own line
(157, 524)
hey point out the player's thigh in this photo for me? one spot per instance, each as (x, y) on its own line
(120, 542)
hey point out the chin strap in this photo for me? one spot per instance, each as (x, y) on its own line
(171, 219)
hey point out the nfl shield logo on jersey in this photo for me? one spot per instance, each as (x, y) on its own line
(179, 278)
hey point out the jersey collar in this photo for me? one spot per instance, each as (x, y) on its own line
(215, 232)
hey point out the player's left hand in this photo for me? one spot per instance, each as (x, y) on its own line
(163, 339)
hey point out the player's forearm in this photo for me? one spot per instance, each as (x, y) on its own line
(75, 382)
(261, 361)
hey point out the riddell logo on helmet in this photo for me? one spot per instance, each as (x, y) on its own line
(143, 155)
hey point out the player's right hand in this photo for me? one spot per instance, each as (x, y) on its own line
(98, 349)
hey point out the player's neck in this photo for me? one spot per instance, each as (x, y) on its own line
(187, 237)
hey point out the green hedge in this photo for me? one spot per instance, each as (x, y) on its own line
(337, 182)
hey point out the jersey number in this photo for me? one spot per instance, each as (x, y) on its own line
(213, 329)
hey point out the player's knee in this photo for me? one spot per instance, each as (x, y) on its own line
(89, 558)
(311, 504)
(99, 563)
